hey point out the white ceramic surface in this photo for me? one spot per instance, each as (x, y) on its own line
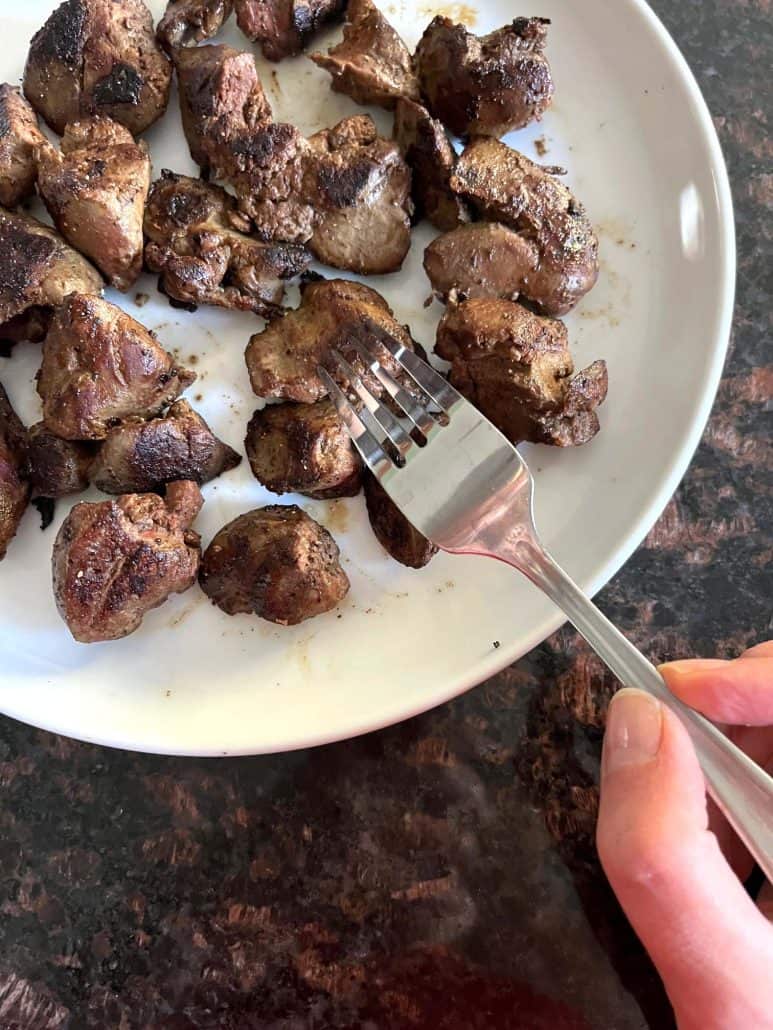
(630, 126)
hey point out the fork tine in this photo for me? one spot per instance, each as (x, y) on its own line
(418, 414)
(371, 451)
(438, 388)
(395, 432)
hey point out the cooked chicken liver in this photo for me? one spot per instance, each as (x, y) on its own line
(101, 367)
(198, 242)
(360, 189)
(37, 271)
(431, 158)
(19, 135)
(504, 186)
(139, 456)
(372, 64)
(221, 102)
(267, 170)
(57, 467)
(187, 22)
(576, 421)
(98, 57)
(118, 559)
(345, 191)
(305, 449)
(484, 86)
(484, 259)
(14, 490)
(95, 189)
(393, 530)
(282, 359)
(515, 367)
(275, 562)
(283, 27)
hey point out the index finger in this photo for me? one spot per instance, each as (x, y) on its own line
(738, 692)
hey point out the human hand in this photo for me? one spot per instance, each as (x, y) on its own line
(672, 860)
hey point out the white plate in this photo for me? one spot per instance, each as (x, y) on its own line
(630, 125)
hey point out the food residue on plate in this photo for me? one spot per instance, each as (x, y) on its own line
(337, 520)
(463, 13)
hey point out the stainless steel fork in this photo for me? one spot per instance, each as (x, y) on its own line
(468, 490)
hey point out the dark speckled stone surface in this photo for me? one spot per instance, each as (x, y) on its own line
(441, 873)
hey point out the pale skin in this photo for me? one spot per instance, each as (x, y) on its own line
(672, 860)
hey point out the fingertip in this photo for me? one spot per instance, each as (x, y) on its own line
(634, 725)
(652, 790)
(690, 680)
(689, 667)
(738, 692)
(763, 650)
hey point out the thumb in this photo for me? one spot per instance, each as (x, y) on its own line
(712, 947)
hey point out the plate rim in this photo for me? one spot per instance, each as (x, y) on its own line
(500, 659)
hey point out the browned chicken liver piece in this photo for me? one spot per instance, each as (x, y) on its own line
(305, 449)
(484, 259)
(504, 186)
(101, 367)
(577, 420)
(14, 489)
(139, 456)
(345, 191)
(57, 467)
(360, 189)
(221, 101)
(198, 242)
(282, 359)
(98, 57)
(95, 189)
(484, 86)
(19, 135)
(428, 152)
(187, 22)
(372, 64)
(118, 559)
(275, 562)
(393, 530)
(267, 170)
(37, 271)
(516, 368)
(283, 27)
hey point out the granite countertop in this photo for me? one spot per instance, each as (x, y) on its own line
(441, 873)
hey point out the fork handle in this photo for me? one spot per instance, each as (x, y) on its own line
(742, 790)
